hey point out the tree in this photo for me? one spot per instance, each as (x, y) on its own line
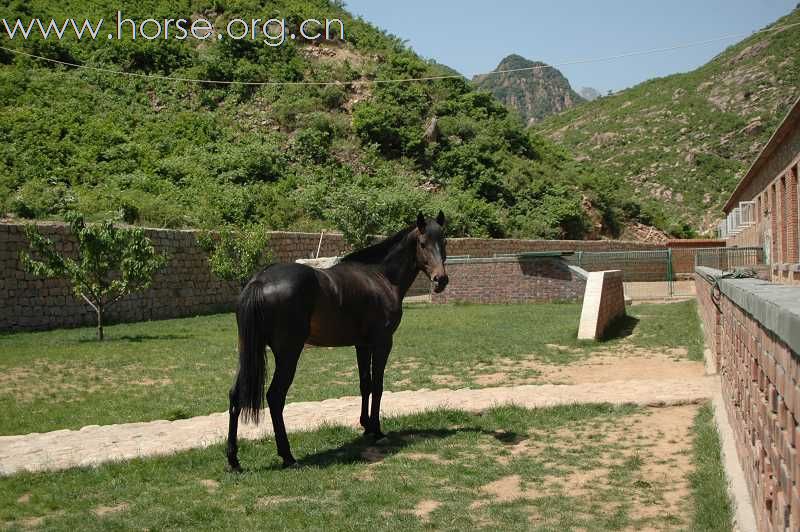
(111, 262)
(234, 255)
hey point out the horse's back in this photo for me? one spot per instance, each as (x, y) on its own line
(286, 285)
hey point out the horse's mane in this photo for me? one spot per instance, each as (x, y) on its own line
(375, 253)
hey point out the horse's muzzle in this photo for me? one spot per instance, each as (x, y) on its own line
(441, 283)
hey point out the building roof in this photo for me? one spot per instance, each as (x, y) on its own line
(791, 121)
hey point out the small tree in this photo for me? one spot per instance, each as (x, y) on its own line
(234, 255)
(111, 262)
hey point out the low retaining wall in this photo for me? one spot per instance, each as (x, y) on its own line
(512, 280)
(186, 287)
(603, 302)
(755, 334)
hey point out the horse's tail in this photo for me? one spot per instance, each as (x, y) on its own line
(251, 317)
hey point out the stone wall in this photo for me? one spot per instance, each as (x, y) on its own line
(755, 335)
(603, 303)
(186, 287)
(512, 280)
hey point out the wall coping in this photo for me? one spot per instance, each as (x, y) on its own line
(775, 306)
(507, 258)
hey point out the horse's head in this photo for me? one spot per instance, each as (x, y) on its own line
(431, 254)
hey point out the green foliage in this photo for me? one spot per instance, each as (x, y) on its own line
(111, 262)
(173, 154)
(235, 255)
(360, 213)
(683, 141)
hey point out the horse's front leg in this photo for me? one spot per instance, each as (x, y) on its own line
(380, 355)
(364, 354)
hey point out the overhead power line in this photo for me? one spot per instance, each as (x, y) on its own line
(400, 80)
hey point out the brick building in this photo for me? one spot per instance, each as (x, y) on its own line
(763, 210)
(752, 329)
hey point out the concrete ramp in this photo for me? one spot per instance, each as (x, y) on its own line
(603, 302)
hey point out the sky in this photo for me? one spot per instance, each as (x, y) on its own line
(472, 36)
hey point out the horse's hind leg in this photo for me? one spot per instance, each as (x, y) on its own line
(286, 358)
(233, 426)
(364, 356)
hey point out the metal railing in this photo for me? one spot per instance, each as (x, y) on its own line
(727, 259)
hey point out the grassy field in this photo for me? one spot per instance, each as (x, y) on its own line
(592, 467)
(182, 368)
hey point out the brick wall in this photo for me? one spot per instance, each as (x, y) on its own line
(603, 302)
(754, 334)
(511, 280)
(683, 253)
(652, 267)
(186, 287)
(481, 247)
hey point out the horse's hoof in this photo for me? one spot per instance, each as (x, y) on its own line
(235, 467)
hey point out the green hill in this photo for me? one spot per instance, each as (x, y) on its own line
(685, 140)
(535, 94)
(361, 157)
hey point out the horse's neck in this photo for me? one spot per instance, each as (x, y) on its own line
(400, 267)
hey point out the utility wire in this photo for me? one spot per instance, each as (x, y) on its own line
(401, 80)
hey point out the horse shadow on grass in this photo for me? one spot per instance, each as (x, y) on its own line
(365, 450)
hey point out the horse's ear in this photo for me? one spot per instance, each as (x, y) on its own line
(440, 219)
(421, 222)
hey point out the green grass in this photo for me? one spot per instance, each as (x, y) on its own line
(183, 368)
(347, 484)
(713, 509)
(671, 326)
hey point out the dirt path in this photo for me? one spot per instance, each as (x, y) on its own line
(93, 445)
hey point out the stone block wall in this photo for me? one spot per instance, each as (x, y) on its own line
(511, 280)
(603, 303)
(186, 287)
(755, 334)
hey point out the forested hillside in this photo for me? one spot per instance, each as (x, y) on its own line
(357, 157)
(685, 140)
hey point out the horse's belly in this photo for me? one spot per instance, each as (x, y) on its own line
(332, 330)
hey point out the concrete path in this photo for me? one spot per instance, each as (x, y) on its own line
(94, 444)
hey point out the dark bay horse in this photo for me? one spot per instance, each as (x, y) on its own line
(358, 302)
